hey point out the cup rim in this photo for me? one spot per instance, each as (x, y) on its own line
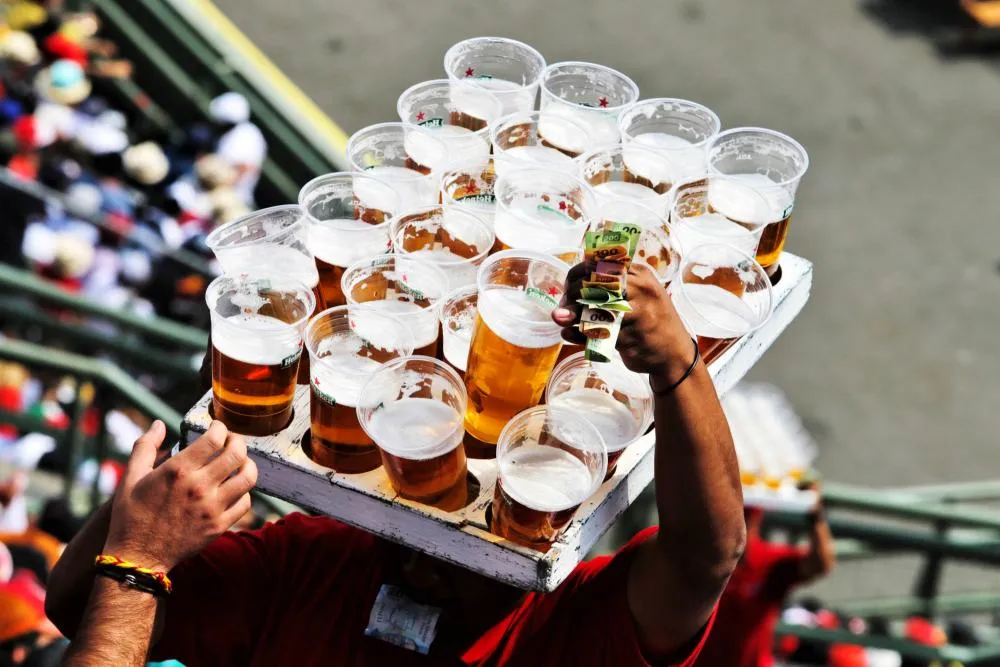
(297, 284)
(398, 220)
(432, 83)
(774, 134)
(454, 295)
(315, 320)
(314, 183)
(586, 189)
(216, 234)
(621, 149)
(686, 260)
(717, 122)
(632, 85)
(403, 128)
(450, 54)
(368, 263)
(708, 178)
(534, 117)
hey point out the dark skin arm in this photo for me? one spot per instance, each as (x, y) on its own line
(821, 557)
(677, 578)
(117, 627)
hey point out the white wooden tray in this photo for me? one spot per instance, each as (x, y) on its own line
(368, 501)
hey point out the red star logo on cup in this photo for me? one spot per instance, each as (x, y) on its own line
(603, 102)
(473, 188)
(469, 71)
(562, 206)
(553, 291)
(420, 116)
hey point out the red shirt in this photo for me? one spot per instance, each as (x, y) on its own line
(300, 591)
(750, 606)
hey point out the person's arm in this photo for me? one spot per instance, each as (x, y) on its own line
(677, 578)
(821, 558)
(157, 517)
(116, 629)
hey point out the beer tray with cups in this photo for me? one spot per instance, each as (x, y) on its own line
(368, 501)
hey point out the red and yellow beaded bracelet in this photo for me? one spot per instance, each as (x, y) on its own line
(134, 575)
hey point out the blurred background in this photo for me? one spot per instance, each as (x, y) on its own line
(893, 366)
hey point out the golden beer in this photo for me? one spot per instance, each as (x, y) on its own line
(514, 344)
(347, 344)
(256, 333)
(549, 461)
(453, 239)
(412, 408)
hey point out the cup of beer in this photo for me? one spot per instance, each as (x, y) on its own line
(539, 139)
(412, 408)
(502, 68)
(718, 209)
(458, 318)
(348, 216)
(630, 172)
(514, 343)
(772, 163)
(403, 286)
(656, 248)
(591, 93)
(453, 239)
(549, 460)
(721, 294)
(543, 210)
(678, 129)
(257, 322)
(346, 345)
(614, 399)
(468, 185)
(457, 112)
(271, 237)
(407, 157)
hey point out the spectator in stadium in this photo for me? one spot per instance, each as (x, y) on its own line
(241, 143)
(301, 591)
(753, 600)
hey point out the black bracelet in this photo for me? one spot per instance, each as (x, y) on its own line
(687, 373)
(134, 580)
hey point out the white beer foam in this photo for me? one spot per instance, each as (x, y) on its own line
(529, 156)
(532, 223)
(472, 99)
(343, 376)
(506, 311)
(779, 200)
(460, 271)
(422, 322)
(277, 258)
(648, 164)
(603, 125)
(737, 200)
(414, 189)
(714, 228)
(612, 419)
(342, 242)
(713, 312)
(624, 190)
(255, 339)
(457, 338)
(543, 478)
(463, 144)
(687, 157)
(417, 428)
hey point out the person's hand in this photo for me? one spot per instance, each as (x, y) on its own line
(652, 337)
(161, 516)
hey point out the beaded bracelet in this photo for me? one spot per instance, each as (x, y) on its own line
(133, 575)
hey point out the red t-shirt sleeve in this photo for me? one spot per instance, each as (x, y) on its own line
(784, 569)
(585, 622)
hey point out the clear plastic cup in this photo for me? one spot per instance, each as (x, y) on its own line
(515, 342)
(346, 345)
(543, 210)
(457, 112)
(273, 240)
(458, 319)
(591, 93)
(406, 157)
(405, 287)
(718, 209)
(348, 216)
(469, 185)
(678, 129)
(721, 294)
(502, 68)
(412, 408)
(630, 172)
(539, 139)
(257, 322)
(616, 400)
(549, 462)
(771, 162)
(454, 240)
(656, 248)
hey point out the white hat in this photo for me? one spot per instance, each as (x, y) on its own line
(39, 244)
(84, 199)
(59, 116)
(146, 163)
(100, 139)
(136, 267)
(214, 171)
(64, 82)
(19, 47)
(113, 118)
(74, 256)
(243, 145)
(229, 108)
